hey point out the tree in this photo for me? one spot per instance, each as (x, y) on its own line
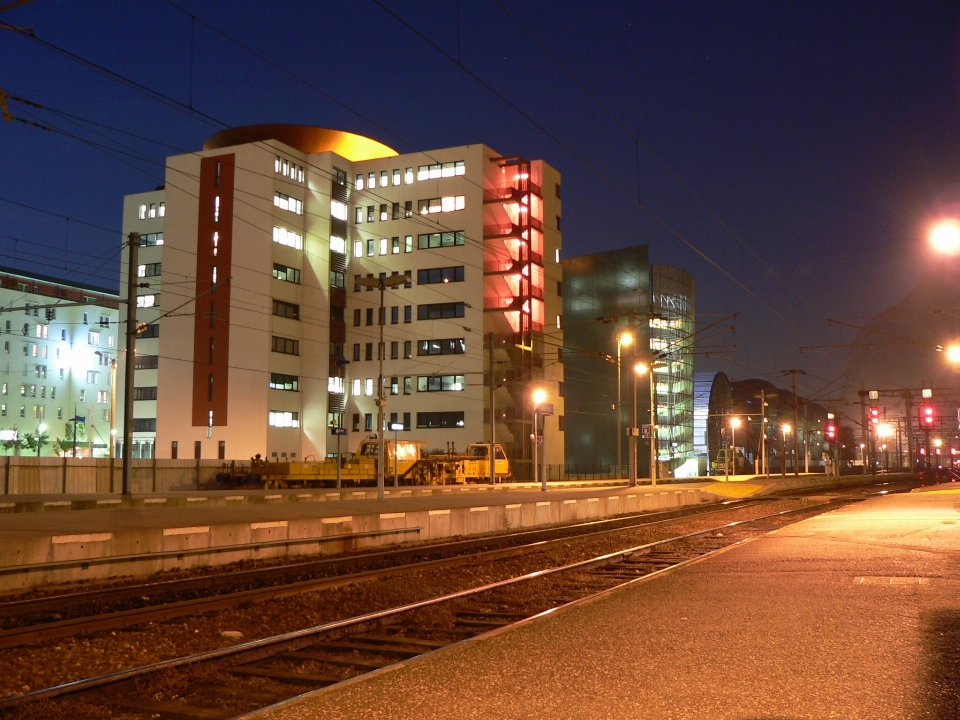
(36, 441)
(64, 445)
(15, 443)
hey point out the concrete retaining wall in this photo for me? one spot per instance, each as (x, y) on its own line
(44, 560)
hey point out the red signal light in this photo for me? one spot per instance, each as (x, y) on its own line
(874, 415)
(928, 415)
(831, 431)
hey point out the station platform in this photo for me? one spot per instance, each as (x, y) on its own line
(103, 538)
(853, 614)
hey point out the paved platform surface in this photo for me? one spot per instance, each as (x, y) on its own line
(852, 614)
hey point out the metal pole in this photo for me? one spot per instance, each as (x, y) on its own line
(543, 465)
(536, 445)
(763, 433)
(726, 455)
(619, 414)
(733, 449)
(796, 430)
(396, 460)
(381, 464)
(806, 452)
(339, 459)
(908, 409)
(654, 450)
(493, 415)
(133, 251)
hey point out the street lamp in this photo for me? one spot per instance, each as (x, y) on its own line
(381, 283)
(953, 354)
(785, 429)
(539, 396)
(624, 340)
(642, 369)
(41, 429)
(734, 424)
(945, 237)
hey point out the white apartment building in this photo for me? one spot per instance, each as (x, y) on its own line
(58, 348)
(265, 340)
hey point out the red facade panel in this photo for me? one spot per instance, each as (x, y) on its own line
(211, 329)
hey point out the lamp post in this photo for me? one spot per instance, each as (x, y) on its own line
(734, 424)
(539, 395)
(642, 369)
(381, 283)
(396, 427)
(625, 340)
(785, 429)
(41, 429)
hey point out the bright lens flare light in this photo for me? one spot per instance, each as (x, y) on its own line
(641, 368)
(626, 340)
(953, 354)
(945, 237)
(885, 430)
(539, 395)
(735, 423)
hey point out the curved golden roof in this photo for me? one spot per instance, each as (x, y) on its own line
(306, 139)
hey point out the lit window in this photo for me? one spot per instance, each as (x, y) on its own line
(216, 243)
(408, 243)
(146, 301)
(338, 210)
(43, 331)
(368, 388)
(359, 184)
(383, 213)
(359, 214)
(284, 202)
(142, 214)
(338, 244)
(447, 204)
(558, 322)
(276, 164)
(288, 238)
(383, 246)
(357, 386)
(371, 180)
(396, 176)
(214, 274)
(408, 176)
(163, 209)
(557, 251)
(153, 210)
(299, 173)
(216, 209)
(358, 248)
(396, 246)
(92, 377)
(284, 419)
(93, 337)
(335, 385)
(384, 180)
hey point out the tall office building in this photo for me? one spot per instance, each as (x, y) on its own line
(267, 330)
(57, 362)
(607, 296)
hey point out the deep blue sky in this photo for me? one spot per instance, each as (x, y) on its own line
(820, 133)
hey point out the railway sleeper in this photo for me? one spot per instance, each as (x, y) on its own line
(401, 640)
(492, 614)
(463, 622)
(238, 692)
(173, 710)
(345, 660)
(384, 650)
(285, 676)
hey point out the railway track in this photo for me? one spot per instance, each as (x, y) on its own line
(39, 619)
(233, 681)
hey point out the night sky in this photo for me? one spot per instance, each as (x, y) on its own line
(817, 137)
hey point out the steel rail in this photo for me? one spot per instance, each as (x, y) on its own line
(16, 637)
(300, 638)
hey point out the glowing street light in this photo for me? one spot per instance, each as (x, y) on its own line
(734, 424)
(785, 430)
(945, 237)
(953, 354)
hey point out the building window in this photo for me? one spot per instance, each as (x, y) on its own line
(394, 386)
(285, 346)
(440, 383)
(281, 418)
(151, 239)
(368, 352)
(449, 346)
(92, 377)
(432, 276)
(356, 317)
(439, 419)
(435, 240)
(40, 371)
(371, 212)
(285, 202)
(357, 386)
(356, 352)
(163, 210)
(356, 422)
(144, 424)
(408, 176)
(395, 315)
(408, 313)
(449, 203)
(438, 311)
(279, 381)
(368, 421)
(143, 393)
(148, 301)
(371, 181)
(142, 213)
(287, 310)
(289, 238)
(371, 250)
(338, 244)
(384, 178)
(407, 385)
(407, 349)
(395, 246)
(149, 270)
(146, 362)
(335, 385)
(197, 449)
(369, 316)
(358, 185)
(216, 209)
(93, 337)
(358, 249)
(396, 176)
(368, 387)
(359, 215)
(394, 350)
(286, 273)
(222, 445)
(103, 397)
(338, 210)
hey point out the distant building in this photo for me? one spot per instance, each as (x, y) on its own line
(262, 337)
(607, 295)
(712, 404)
(57, 362)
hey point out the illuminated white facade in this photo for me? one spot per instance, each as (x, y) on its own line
(56, 362)
(264, 236)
